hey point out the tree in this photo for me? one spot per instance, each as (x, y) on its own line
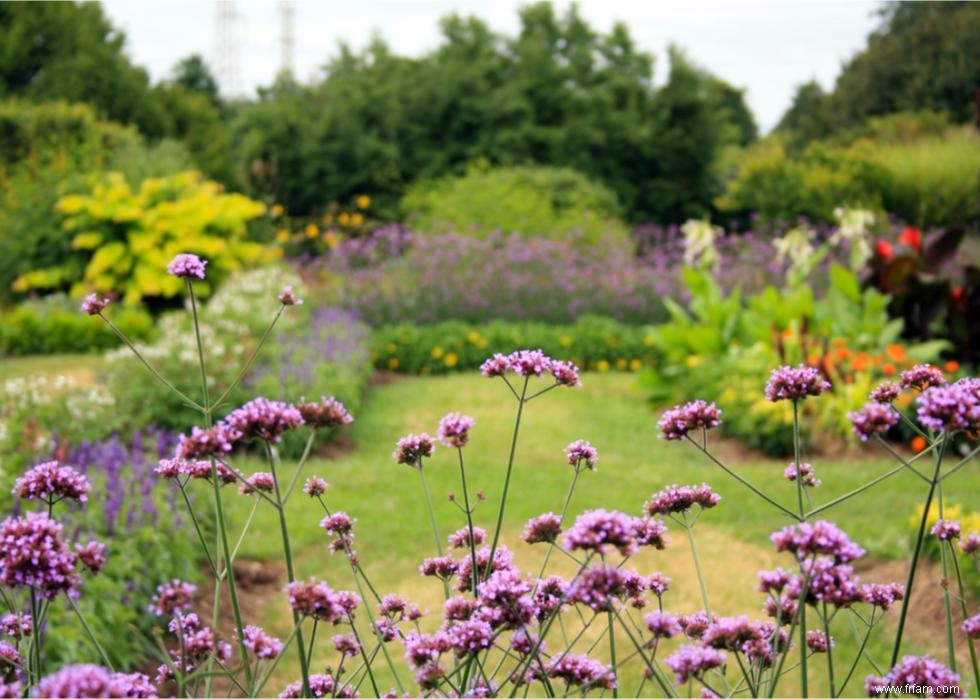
(809, 116)
(193, 74)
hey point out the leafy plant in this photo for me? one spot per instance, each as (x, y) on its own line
(125, 238)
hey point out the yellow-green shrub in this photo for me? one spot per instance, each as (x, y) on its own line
(126, 237)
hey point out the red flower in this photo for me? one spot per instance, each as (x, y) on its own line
(911, 237)
(957, 293)
(884, 249)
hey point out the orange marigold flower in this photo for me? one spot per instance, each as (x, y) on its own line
(895, 352)
(888, 369)
(952, 366)
(917, 444)
(860, 362)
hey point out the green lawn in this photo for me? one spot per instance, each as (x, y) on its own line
(394, 534)
(80, 366)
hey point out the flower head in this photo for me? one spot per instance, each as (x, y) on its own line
(922, 376)
(83, 681)
(693, 661)
(315, 486)
(970, 545)
(529, 362)
(497, 365)
(582, 452)
(34, 555)
(460, 539)
(581, 670)
(217, 440)
(872, 419)
(565, 373)
(94, 304)
(817, 538)
(261, 418)
(187, 266)
(326, 414)
(172, 597)
(411, 449)
(288, 298)
(805, 471)
(946, 529)
(681, 419)
(917, 675)
(264, 646)
(950, 408)
(662, 625)
(92, 556)
(454, 430)
(882, 595)
(971, 627)
(787, 383)
(818, 641)
(50, 481)
(886, 392)
(258, 482)
(600, 529)
(16, 625)
(317, 600)
(542, 529)
(674, 498)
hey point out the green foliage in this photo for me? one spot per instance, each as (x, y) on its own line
(551, 202)
(558, 93)
(594, 343)
(126, 238)
(724, 346)
(770, 181)
(55, 326)
(933, 181)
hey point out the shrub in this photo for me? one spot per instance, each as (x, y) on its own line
(777, 186)
(540, 201)
(594, 343)
(125, 238)
(54, 326)
(934, 181)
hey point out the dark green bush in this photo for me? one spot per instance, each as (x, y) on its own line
(58, 327)
(593, 343)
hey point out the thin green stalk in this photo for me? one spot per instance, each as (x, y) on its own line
(219, 507)
(960, 464)
(612, 651)
(251, 358)
(966, 614)
(777, 673)
(697, 568)
(654, 672)
(744, 482)
(290, 572)
(197, 528)
(36, 636)
(857, 658)
(374, 627)
(799, 468)
(919, 538)
(122, 336)
(887, 447)
(561, 520)
(947, 604)
(830, 651)
(432, 521)
(510, 468)
(856, 491)
(299, 466)
(248, 524)
(370, 672)
(88, 632)
(469, 521)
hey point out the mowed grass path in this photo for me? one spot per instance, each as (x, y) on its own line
(393, 533)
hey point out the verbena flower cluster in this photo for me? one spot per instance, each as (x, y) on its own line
(788, 383)
(532, 363)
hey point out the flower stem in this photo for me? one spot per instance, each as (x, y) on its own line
(510, 467)
(88, 632)
(432, 521)
(697, 568)
(469, 521)
(966, 613)
(561, 520)
(612, 651)
(830, 651)
(248, 362)
(920, 536)
(290, 571)
(796, 457)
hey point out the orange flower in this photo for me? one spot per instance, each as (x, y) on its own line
(895, 352)
(843, 353)
(918, 443)
(888, 369)
(860, 362)
(952, 366)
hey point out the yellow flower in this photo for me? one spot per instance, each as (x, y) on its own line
(602, 365)
(620, 363)
(694, 360)
(312, 231)
(565, 341)
(343, 218)
(635, 365)
(363, 201)
(282, 235)
(474, 337)
(356, 219)
(437, 352)
(331, 239)
(451, 359)
(393, 363)
(278, 210)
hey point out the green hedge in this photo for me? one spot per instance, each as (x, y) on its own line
(58, 327)
(593, 343)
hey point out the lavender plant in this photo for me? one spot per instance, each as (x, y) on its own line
(502, 632)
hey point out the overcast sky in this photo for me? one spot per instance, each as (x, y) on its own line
(765, 46)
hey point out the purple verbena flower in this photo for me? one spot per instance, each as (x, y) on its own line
(326, 414)
(886, 392)
(787, 383)
(264, 646)
(315, 486)
(93, 304)
(693, 661)
(918, 675)
(818, 642)
(170, 598)
(681, 419)
(872, 419)
(288, 298)
(922, 376)
(971, 627)
(662, 625)
(820, 538)
(50, 482)
(470, 636)
(582, 452)
(529, 362)
(946, 529)
(217, 440)
(316, 599)
(565, 373)
(882, 595)
(600, 529)
(581, 670)
(454, 430)
(16, 625)
(950, 408)
(497, 365)
(650, 532)
(261, 418)
(544, 528)
(460, 539)
(92, 556)
(187, 266)
(338, 523)
(806, 471)
(411, 449)
(83, 681)
(443, 567)
(971, 544)
(33, 555)
(347, 645)
(675, 499)
(258, 482)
